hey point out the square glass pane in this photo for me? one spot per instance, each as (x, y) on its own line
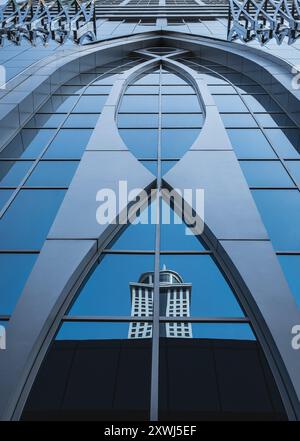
(78, 121)
(203, 290)
(280, 211)
(216, 373)
(141, 142)
(291, 268)
(14, 271)
(139, 103)
(176, 103)
(91, 104)
(12, 173)
(266, 174)
(100, 296)
(68, 143)
(175, 142)
(27, 221)
(250, 143)
(285, 141)
(29, 143)
(171, 79)
(238, 120)
(230, 103)
(52, 174)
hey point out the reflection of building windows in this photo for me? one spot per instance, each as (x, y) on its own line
(175, 301)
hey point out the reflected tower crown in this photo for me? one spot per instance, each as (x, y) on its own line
(174, 301)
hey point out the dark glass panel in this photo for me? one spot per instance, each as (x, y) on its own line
(93, 371)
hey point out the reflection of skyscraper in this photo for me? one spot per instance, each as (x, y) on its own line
(175, 301)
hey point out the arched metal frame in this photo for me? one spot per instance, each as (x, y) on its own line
(238, 240)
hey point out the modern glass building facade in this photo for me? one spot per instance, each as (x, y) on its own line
(162, 102)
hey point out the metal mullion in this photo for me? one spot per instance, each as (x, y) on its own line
(38, 158)
(156, 284)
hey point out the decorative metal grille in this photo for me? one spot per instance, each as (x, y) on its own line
(40, 20)
(264, 20)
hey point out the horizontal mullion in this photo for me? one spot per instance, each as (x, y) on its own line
(95, 319)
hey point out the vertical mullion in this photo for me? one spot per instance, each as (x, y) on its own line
(155, 324)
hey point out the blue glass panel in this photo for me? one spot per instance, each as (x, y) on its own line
(175, 142)
(250, 143)
(29, 143)
(52, 173)
(139, 103)
(151, 166)
(46, 120)
(140, 234)
(93, 331)
(27, 221)
(266, 174)
(178, 120)
(291, 268)
(4, 196)
(280, 211)
(90, 103)
(294, 167)
(170, 78)
(175, 235)
(82, 121)
(12, 173)
(285, 141)
(68, 143)
(222, 331)
(230, 103)
(107, 290)
(59, 103)
(166, 166)
(174, 103)
(142, 143)
(238, 120)
(274, 120)
(222, 89)
(127, 120)
(211, 296)
(97, 90)
(14, 271)
(177, 90)
(142, 90)
(261, 103)
(148, 79)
